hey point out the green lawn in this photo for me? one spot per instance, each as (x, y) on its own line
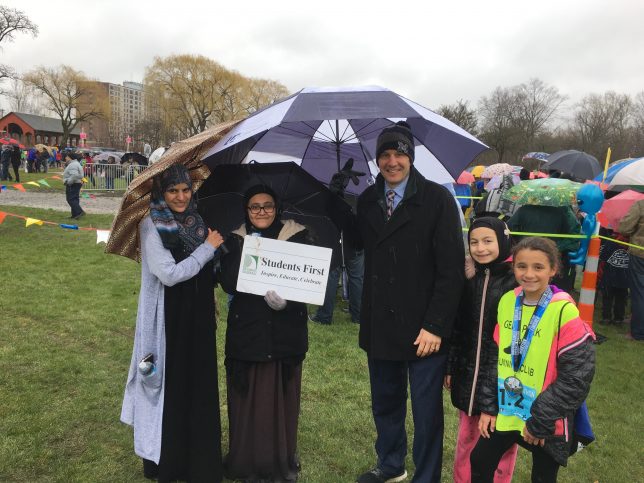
(55, 185)
(67, 314)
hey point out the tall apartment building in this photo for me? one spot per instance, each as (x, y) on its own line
(127, 105)
(126, 109)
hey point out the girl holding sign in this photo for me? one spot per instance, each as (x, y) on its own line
(266, 341)
(543, 373)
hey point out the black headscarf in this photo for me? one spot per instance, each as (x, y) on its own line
(502, 235)
(183, 232)
(274, 229)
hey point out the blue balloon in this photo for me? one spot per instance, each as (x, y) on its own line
(590, 199)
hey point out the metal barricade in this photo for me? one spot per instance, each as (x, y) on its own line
(109, 177)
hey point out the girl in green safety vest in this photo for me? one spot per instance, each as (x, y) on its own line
(543, 371)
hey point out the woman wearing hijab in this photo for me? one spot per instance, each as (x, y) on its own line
(266, 341)
(171, 396)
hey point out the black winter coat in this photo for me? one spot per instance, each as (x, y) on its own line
(472, 342)
(413, 267)
(255, 332)
(15, 157)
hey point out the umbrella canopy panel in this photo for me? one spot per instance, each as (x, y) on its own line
(137, 158)
(537, 155)
(577, 163)
(301, 195)
(465, 178)
(105, 155)
(544, 192)
(497, 169)
(631, 175)
(615, 208)
(328, 126)
(613, 169)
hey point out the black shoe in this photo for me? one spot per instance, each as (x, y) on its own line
(81, 214)
(313, 319)
(376, 475)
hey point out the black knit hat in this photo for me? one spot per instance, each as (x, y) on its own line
(257, 189)
(398, 137)
(502, 235)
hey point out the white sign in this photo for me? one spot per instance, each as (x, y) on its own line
(294, 271)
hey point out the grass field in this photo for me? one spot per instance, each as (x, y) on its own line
(67, 314)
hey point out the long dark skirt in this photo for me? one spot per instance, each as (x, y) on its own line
(191, 431)
(263, 423)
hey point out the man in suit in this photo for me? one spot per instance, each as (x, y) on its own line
(414, 259)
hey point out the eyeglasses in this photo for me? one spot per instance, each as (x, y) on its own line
(267, 207)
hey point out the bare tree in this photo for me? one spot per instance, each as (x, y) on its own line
(12, 22)
(150, 130)
(603, 121)
(637, 135)
(23, 98)
(68, 94)
(262, 92)
(498, 129)
(460, 114)
(535, 104)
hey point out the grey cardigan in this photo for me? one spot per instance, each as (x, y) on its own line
(143, 401)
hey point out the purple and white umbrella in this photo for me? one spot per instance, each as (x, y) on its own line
(539, 156)
(320, 128)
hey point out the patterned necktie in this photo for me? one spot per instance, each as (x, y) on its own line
(390, 203)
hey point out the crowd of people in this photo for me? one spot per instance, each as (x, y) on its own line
(502, 334)
(615, 280)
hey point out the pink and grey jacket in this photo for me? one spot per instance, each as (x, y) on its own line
(570, 370)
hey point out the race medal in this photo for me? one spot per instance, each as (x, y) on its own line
(513, 385)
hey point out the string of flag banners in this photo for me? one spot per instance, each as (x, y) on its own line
(101, 235)
(40, 183)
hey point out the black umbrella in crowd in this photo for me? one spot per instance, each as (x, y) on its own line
(577, 163)
(137, 158)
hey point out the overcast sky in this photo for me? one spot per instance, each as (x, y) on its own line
(431, 52)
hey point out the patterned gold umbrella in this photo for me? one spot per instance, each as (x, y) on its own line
(124, 237)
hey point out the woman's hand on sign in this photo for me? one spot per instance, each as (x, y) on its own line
(274, 301)
(487, 424)
(214, 238)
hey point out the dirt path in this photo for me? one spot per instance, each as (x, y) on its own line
(101, 204)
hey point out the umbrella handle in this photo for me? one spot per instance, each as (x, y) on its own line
(345, 284)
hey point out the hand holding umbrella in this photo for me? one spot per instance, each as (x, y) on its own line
(340, 180)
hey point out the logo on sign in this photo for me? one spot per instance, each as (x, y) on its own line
(250, 264)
